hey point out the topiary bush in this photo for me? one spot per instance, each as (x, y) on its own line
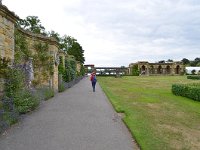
(194, 77)
(191, 91)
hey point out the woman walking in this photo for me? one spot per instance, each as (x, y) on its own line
(93, 79)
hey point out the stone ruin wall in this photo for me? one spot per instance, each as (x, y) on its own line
(33, 39)
(7, 41)
(7, 27)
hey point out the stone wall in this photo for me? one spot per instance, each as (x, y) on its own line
(146, 68)
(33, 39)
(7, 27)
(7, 42)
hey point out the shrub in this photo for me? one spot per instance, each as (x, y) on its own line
(194, 77)
(24, 101)
(9, 113)
(48, 93)
(187, 90)
(61, 88)
(135, 71)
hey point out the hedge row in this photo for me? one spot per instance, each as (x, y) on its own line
(194, 77)
(187, 90)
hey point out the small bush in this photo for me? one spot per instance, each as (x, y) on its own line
(194, 77)
(61, 88)
(187, 90)
(48, 93)
(24, 101)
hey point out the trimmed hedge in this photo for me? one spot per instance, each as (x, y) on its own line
(187, 90)
(194, 77)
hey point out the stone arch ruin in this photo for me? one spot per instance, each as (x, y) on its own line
(146, 68)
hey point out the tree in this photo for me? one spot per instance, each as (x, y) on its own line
(135, 71)
(161, 61)
(170, 60)
(72, 47)
(185, 61)
(196, 61)
(33, 24)
(54, 35)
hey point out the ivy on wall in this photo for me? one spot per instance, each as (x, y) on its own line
(22, 52)
(43, 63)
(67, 70)
(3, 66)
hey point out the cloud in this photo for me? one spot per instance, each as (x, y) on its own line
(119, 32)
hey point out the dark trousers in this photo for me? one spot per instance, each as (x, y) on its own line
(93, 86)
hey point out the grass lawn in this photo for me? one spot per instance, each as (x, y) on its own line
(157, 119)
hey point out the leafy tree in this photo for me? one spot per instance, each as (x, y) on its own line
(33, 24)
(185, 61)
(161, 61)
(196, 61)
(135, 71)
(55, 35)
(170, 60)
(72, 47)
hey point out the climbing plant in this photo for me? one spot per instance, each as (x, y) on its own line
(3, 66)
(22, 52)
(43, 62)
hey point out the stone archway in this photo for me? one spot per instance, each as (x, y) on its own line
(159, 69)
(177, 69)
(151, 69)
(168, 70)
(143, 70)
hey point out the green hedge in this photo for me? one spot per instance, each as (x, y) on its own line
(187, 90)
(194, 77)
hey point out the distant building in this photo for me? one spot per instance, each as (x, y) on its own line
(188, 70)
(146, 68)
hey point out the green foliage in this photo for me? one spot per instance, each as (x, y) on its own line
(3, 66)
(61, 87)
(195, 77)
(9, 118)
(187, 90)
(194, 62)
(135, 71)
(15, 82)
(33, 24)
(25, 102)
(72, 47)
(43, 61)
(55, 35)
(22, 53)
(48, 93)
(82, 71)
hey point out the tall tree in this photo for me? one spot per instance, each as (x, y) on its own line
(185, 61)
(72, 47)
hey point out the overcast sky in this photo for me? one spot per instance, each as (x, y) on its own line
(120, 32)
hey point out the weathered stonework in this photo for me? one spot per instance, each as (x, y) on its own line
(7, 48)
(7, 27)
(146, 68)
(33, 39)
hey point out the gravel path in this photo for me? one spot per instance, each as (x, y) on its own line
(77, 119)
